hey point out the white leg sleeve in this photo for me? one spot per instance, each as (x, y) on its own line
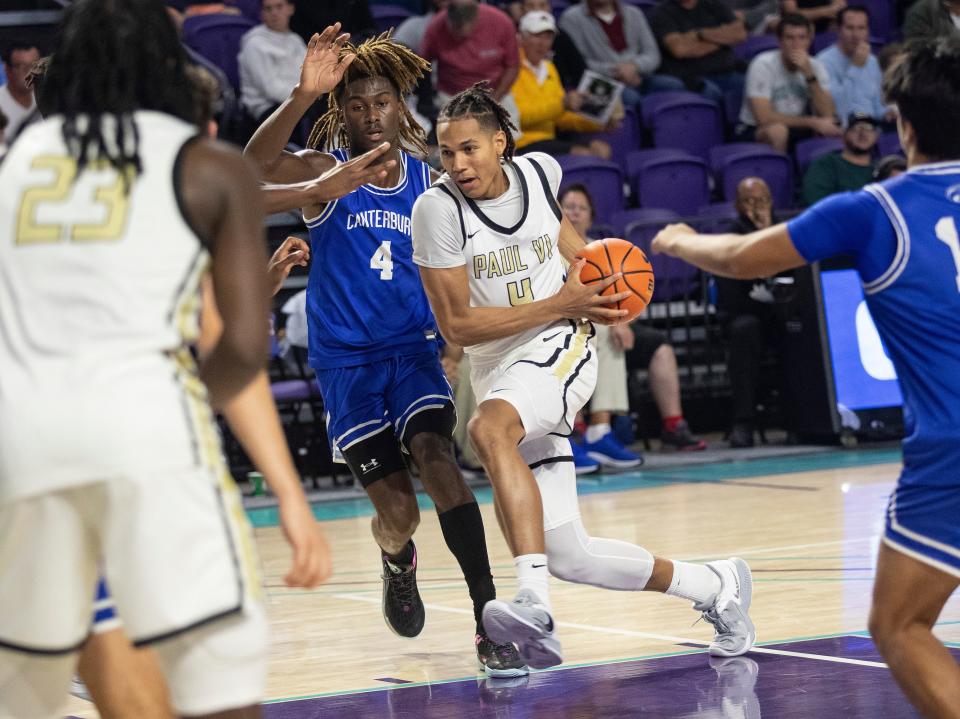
(575, 556)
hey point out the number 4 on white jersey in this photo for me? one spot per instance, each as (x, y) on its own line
(382, 260)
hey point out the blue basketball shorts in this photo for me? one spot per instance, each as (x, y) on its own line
(923, 522)
(375, 410)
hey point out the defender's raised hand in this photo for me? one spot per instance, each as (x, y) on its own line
(323, 66)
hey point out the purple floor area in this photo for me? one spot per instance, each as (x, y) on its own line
(693, 685)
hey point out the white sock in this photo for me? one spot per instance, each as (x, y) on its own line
(696, 582)
(597, 432)
(533, 575)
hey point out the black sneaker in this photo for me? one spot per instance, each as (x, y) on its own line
(741, 435)
(682, 438)
(402, 606)
(499, 660)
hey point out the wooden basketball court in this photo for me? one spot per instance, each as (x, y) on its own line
(808, 526)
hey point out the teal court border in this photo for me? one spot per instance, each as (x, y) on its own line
(714, 473)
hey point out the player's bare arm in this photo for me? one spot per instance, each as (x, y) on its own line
(224, 207)
(252, 416)
(341, 178)
(569, 242)
(760, 254)
(449, 294)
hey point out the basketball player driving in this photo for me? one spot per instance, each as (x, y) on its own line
(488, 237)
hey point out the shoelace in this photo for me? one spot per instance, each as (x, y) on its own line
(713, 617)
(403, 584)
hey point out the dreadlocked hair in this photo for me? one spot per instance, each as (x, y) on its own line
(377, 57)
(113, 57)
(477, 102)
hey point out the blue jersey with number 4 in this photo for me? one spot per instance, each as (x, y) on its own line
(905, 236)
(365, 301)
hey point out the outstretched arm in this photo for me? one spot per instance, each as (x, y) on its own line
(322, 69)
(759, 254)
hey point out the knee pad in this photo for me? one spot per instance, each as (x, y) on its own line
(218, 667)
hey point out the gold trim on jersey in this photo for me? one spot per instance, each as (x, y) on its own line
(576, 351)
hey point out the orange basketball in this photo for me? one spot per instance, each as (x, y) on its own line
(611, 255)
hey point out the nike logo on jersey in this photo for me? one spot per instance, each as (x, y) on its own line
(547, 339)
(537, 566)
(470, 236)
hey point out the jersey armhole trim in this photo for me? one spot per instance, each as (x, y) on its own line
(178, 190)
(463, 226)
(902, 255)
(323, 216)
(547, 191)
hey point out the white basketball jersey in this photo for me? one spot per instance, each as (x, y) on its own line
(506, 265)
(99, 293)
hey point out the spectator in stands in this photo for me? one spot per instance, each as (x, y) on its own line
(855, 75)
(615, 40)
(850, 169)
(16, 98)
(618, 346)
(566, 56)
(696, 39)
(929, 19)
(889, 166)
(747, 309)
(472, 43)
(544, 105)
(820, 12)
(354, 16)
(787, 96)
(269, 60)
(411, 30)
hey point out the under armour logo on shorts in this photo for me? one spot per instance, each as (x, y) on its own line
(369, 466)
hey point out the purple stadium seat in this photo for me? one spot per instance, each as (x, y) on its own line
(719, 154)
(715, 217)
(754, 45)
(822, 41)
(291, 390)
(677, 182)
(673, 278)
(217, 38)
(654, 217)
(807, 151)
(604, 179)
(636, 159)
(388, 16)
(683, 120)
(774, 167)
(558, 6)
(889, 144)
(882, 20)
(248, 8)
(623, 140)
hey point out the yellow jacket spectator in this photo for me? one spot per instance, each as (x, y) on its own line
(545, 107)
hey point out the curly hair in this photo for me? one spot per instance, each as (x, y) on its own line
(377, 57)
(477, 102)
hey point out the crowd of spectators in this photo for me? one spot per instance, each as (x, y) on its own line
(776, 90)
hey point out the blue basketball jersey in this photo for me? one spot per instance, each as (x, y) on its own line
(365, 301)
(905, 235)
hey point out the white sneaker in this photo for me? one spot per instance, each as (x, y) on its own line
(735, 633)
(526, 623)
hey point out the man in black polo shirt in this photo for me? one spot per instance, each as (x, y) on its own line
(695, 38)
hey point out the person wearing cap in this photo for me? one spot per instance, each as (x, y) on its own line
(849, 169)
(545, 107)
(855, 75)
